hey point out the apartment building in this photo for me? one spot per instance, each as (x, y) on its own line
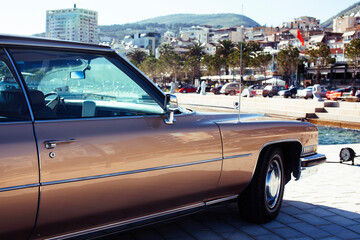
(341, 24)
(74, 24)
(303, 23)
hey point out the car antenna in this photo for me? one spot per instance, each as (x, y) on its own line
(241, 51)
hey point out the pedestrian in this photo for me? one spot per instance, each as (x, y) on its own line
(358, 93)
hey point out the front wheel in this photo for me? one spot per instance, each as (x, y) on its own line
(261, 200)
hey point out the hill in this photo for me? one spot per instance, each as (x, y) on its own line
(221, 19)
(352, 9)
(174, 23)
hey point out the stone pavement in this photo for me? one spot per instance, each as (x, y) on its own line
(323, 206)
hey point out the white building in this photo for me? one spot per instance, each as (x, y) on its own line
(74, 24)
(200, 34)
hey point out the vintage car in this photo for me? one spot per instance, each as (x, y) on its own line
(230, 88)
(88, 144)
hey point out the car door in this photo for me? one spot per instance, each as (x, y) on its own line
(19, 172)
(106, 153)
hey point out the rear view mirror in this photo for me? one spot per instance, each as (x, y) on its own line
(171, 107)
(77, 75)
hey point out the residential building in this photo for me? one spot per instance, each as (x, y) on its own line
(200, 34)
(74, 24)
(258, 33)
(303, 23)
(341, 24)
(149, 40)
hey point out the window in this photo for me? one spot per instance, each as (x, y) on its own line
(77, 85)
(13, 106)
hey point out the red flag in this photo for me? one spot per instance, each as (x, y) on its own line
(300, 37)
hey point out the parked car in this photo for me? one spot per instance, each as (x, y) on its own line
(337, 93)
(216, 90)
(188, 89)
(271, 90)
(116, 152)
(307, 92)
(252, 91)
(230, 88)
(291, 92)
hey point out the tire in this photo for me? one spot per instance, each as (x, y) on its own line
(305, 97)
(293, 95)
(286, 96)
(271, 95)
(184, 91)
(261, 200)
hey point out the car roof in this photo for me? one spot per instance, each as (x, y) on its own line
(14, 40)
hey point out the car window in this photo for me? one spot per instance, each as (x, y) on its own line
(75, 85)
(268, 88)
(13, 105)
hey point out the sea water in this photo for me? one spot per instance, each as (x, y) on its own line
(334, 135)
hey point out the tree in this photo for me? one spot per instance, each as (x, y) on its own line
(165, 48)
(249, 50)
(136, 57)
(213, 64)
(224, 49)
(172, 63)
(261, 61)
(352, 52)
(287, 60)
(150, 67)
(193, 59)
(320, 56)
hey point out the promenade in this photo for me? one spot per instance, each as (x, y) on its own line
(323, 206)
(333, 113)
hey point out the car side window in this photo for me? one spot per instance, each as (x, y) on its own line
(13, 105)
(81, 85)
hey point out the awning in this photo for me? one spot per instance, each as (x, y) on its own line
(350, 33)
(317, 38)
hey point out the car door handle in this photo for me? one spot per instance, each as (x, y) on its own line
(52, 143)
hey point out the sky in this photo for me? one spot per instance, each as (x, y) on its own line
(29, 17)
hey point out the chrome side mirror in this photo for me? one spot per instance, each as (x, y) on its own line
(171, 107)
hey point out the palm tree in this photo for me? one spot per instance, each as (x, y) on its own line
(224, 49)
(193, 58)
(136, 57)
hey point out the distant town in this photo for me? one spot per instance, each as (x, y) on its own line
(201, 52)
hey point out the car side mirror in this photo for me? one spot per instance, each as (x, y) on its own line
(171, 107)
(77, 75)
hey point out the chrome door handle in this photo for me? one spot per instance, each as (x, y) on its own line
(52, 143)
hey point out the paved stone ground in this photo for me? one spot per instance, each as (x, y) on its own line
(323, 206)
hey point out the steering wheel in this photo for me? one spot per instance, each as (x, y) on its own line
(53, 103)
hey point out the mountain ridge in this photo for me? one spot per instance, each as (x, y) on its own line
(354, 8)
(218, 19)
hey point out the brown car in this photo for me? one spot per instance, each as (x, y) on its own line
(88, 143)
(272, 90)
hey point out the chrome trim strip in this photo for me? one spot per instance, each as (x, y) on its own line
(97, 118)
(221, 200)
(19, 187)
(129, 172)
(21, 83)
(238, 156)
(131, 221)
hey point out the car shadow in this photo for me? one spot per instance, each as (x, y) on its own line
(297, 219)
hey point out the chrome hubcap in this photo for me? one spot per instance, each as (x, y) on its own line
(273, 183)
